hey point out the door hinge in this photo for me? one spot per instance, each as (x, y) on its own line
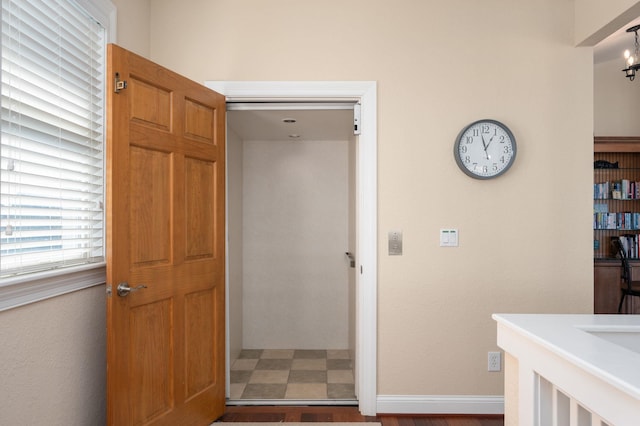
(119, 84)
(109, 291)
(356, 119)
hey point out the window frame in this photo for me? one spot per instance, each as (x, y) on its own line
(31, 288)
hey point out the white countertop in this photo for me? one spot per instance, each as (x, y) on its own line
(587, 341)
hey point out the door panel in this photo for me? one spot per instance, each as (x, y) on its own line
(199, 121)
(150, 198)
(200, 215)
(150, 104)
(165, 238)
(199, 337)
(150, 329)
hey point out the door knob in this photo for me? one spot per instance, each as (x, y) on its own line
(124, 289)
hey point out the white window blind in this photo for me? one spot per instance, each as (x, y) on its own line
(52, 130)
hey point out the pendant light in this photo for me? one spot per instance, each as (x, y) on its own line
(632, 60)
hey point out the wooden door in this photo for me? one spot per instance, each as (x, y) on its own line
(165, 231)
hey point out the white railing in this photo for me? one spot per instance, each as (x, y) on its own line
(556, 408)
(571, 370)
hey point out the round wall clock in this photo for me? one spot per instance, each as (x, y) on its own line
(485, 149)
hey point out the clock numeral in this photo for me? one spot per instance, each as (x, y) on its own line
(463, 149)
(485, 169)
(507, 150)
(476, 132)
(502, 139)
(502, 159)
(469, 140)
(494, 167)
(485, 128)
(467, 159)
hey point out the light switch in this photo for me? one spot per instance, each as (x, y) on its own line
(449, 237)
(395, 243)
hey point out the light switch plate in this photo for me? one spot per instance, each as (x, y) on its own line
(395, 243)
(449, 237)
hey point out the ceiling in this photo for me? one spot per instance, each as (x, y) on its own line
(614, 46)
(333, 124)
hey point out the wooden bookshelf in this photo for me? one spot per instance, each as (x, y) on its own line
(616, 144)
(624, 207)
(616, 198)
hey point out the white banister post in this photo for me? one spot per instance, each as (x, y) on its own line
(526, 394)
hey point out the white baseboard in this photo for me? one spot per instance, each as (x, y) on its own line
(439, 404)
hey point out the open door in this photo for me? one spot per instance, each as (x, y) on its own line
(165, 246)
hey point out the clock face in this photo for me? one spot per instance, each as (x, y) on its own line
(485, 149)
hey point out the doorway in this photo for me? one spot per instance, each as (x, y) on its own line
(363, 93)
(291, 193)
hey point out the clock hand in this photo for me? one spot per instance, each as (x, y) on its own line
(485, 146)
(489, 143)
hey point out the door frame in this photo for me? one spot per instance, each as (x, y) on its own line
(365, 93)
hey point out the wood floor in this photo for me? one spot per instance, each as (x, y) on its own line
(349, 414)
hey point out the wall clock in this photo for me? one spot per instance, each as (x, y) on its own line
(485, 149)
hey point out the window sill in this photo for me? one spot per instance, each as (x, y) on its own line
(46, 285)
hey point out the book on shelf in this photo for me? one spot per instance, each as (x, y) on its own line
(623, 221)
(630, 245)
(623, 189)
(601, 191)
(601, 208)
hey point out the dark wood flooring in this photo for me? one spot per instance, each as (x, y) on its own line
(349, 414)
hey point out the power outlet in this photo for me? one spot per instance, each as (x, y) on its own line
(494, 361)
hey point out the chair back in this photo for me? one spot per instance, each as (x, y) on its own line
(626, 268)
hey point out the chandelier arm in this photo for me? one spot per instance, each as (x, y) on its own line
(633, 64)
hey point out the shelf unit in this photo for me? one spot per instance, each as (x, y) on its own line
(626, 152)
(616, 214)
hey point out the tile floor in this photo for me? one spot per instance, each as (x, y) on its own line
(292, 374)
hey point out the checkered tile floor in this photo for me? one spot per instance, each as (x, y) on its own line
(292, 374)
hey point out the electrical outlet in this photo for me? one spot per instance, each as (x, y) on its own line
(494, 361)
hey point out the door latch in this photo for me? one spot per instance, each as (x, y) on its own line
(119, 84)
(124, 289)
(352, 259)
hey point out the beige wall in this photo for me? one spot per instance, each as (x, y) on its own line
(437, 69)
(53, 357)
(525, 238)
(295, 234)
(615, 101)
(133, 25)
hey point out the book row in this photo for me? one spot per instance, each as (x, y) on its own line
(631, 245)
(623, 189)
(621, 221)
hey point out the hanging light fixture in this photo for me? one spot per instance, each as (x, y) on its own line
(632, 60)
